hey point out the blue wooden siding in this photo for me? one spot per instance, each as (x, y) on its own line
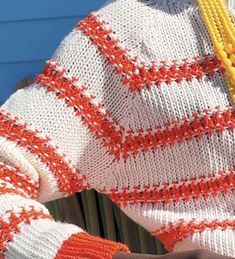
(30, 31)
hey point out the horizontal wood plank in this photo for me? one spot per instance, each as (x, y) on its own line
(13, 10)
(30, 33)
(12, 74)
(35, 40)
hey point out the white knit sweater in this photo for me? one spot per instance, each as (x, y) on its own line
(134, 104)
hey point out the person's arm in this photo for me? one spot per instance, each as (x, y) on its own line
(44, 149)
(195, 254)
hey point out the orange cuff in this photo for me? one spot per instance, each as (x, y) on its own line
(84, 245)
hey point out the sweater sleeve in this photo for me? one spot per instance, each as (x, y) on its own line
(45, 151)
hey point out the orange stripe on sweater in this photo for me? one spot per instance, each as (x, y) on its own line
(21, 182)
(143, 76)
(120, 141)
(195, 188)
(173, 233)
(69, 181)
(7, 190)
(12, 226)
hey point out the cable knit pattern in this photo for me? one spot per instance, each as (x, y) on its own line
(133, 104)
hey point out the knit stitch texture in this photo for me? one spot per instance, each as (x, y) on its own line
(134, 104)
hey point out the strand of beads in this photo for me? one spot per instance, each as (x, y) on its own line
(222, 32)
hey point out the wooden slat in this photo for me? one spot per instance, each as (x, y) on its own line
(13, 10)
(35, 40)
(11, 74)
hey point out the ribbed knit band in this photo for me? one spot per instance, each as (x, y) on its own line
(39, 239)
(84, 245)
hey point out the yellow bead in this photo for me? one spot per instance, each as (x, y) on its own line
(222, 55)
(232, 58)
(232, 81)
(231, 71)
(218, 47)
(226, 63)
(228, 48)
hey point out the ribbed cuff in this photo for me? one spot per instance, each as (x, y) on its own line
(84, 245)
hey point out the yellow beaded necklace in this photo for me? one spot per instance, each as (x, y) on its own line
(222, 31)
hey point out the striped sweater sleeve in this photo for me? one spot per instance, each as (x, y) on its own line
(44, 149)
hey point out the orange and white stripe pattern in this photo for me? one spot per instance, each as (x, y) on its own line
(173, 233)
(12, 226)
(13, 181)
(155, 136)
(185, 190)
(121, 141)
(68, 180)
(137, 74)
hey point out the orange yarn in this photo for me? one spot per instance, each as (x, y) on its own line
(85, 245)
(181, 190)
(171, 234)
(22, 183)
(8, 228)
(146, 76)
(122, 142)
(68, 181)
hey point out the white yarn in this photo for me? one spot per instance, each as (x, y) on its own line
(152, 30)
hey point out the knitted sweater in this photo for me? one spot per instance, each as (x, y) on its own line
(134, 104)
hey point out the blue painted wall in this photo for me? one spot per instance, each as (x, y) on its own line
(30, 32)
